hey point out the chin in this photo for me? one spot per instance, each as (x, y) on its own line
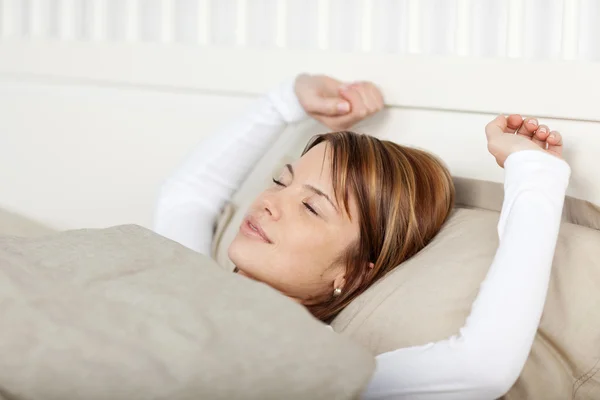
(242, 251)
(234, 252)
(247, 256)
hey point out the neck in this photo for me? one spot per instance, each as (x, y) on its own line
(238, 271)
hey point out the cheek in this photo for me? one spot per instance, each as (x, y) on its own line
(306, 242)
(295, 263)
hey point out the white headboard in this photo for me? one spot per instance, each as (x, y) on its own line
(99, 99)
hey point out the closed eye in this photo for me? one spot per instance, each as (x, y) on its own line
(309, 208)
(278, 183)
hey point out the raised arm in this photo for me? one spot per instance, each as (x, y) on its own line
(486, 357)
(192, 197)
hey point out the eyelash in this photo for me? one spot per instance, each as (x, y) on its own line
(278, 183)
(308, 207)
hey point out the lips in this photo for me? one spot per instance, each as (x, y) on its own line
(251, 227)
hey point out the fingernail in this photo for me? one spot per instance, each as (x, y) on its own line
(533, 121)
(343, 107)
(542, 130)
(552, 136)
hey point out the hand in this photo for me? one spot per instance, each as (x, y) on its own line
(335, 104)
(502, 140)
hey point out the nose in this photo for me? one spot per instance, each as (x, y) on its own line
(270, 204)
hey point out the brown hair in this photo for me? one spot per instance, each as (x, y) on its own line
(404, 195)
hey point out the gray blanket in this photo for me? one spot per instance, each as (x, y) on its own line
(123, 313)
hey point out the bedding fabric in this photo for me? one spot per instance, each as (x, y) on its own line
(14, 224)
(428, 298)
(123, 313)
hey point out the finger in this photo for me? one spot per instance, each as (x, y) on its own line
(360, 89)
(528, 127)
(540, 136)
(514, 122)
(496, 127)
(555, 143)
(375, 96)
(370, 100)
(327, 106)
(357, 102)
(358, 110)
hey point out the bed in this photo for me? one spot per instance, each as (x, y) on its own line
(101, 99)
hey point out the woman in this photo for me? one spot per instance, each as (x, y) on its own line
(353, 207)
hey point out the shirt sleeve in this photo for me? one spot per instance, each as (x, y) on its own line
(485, 358)
(192, 197)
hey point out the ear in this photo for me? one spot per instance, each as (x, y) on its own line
(339, 281)
(371, 265)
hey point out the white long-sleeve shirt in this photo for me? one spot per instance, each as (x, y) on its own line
(484, 359)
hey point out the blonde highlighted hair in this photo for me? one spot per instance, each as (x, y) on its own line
(404, 195)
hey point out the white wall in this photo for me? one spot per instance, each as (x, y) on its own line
(73, 156)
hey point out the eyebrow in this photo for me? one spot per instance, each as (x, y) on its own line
(313, 189)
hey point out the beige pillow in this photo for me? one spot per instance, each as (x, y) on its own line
(123, 313)
(429, 297)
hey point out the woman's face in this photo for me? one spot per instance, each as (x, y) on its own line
(307, 232)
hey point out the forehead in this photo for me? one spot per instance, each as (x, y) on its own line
(314, 168)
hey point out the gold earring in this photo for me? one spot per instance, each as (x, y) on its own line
(337, 292)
